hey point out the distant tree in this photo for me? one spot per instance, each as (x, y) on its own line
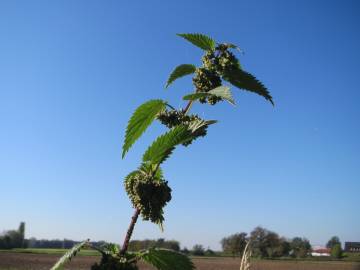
(13, 238)
(16, 239)
(21, 231)
(234, 244)
(273, 245)
(265, 243)
(31, 243)
(67, 243)
(185, 251)
(198, 250)
(136, 245)
(333, 242)
(336, 251)
(160, 243)
(284, 247)
(300, 247)
(258, 242)
(171, 244)
(5, 241)
(209, 252)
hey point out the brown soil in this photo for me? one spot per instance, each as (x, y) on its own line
(17, 261)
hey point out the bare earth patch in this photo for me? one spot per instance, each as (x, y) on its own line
(21, 261)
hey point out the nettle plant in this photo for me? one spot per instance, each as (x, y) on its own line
(146, 187)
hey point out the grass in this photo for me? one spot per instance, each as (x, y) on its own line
(353, 257)
(50, 251)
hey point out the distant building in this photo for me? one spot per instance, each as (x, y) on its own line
(320, 251)
(352, 246)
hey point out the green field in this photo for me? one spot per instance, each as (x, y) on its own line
(50, 251)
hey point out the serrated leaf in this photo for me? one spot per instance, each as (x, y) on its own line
(246, 81)
(180, 71)
(149, 169)
(165, 259)
(221, 91)
(140, 121)
(202, 41)
(68, 255)
(107, 249)
(197, 124)
(163, 146)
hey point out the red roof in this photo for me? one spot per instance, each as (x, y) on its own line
(322, 250)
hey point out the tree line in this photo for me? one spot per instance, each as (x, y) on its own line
(16, 239)
(13, 238)
(263, 243)
(136, 245)
(268, 244)
(54, 243)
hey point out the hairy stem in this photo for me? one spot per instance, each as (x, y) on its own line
(129, 231)
(188, 106)
(137, 210)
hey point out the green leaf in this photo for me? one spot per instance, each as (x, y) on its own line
(163, 146)
(110, 248)
(180, 71)
(140, 121)
(197, 124)
(165, 259)
(221, 91)
(149, 169)
(202, 41)
(246, 81)
(69, 255)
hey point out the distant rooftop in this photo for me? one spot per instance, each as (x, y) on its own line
(352, 246)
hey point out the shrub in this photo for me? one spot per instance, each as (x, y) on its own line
(336, 251)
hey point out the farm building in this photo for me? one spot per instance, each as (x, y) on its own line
(320, 251)
(352, 246)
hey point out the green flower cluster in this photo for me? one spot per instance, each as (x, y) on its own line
(204, 81)
(148, 192)
(216, 64)
(221, 61)
(172, 118)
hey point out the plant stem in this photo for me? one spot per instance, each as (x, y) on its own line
(137, 210)
(188, 106)
(129, 232)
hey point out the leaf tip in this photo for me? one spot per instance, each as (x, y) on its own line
(272, 102)
(124, 150)
(269, 98)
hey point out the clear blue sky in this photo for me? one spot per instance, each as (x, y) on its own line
(72, 73)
